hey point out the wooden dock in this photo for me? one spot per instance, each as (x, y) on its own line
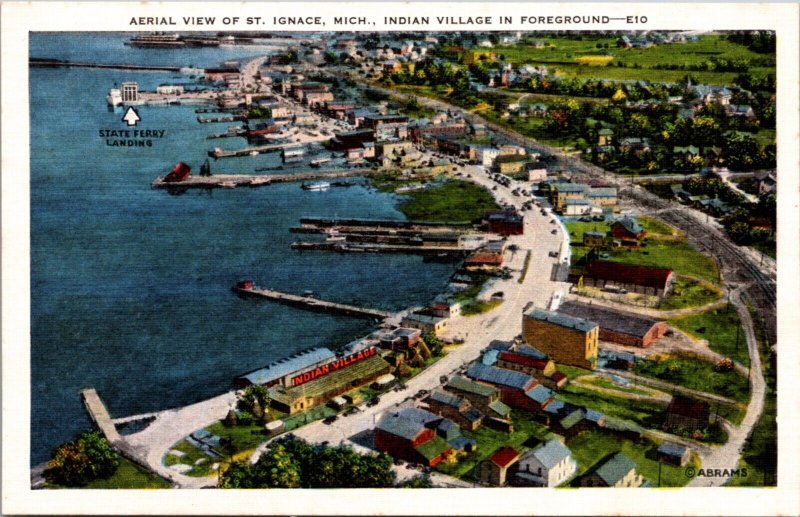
(55, 63)
(99, 415)
(249, 151)
(226, 118)
(347, 247)
(248, 180)
(312, 304)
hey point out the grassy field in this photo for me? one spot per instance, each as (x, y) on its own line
(526, 432)
(655, 227)
(572, 371)
(243, 438)
(687, 293)
(561, 56)
(452, 202)
(645, 414)
(589, 448)
(191, 456)
(479, 307)
(128, 476)
(723, 330)
(607, 384)
(697, 375)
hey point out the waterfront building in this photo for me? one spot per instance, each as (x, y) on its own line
(506, 222)
(130, 92)
(415, 435)
(282, 371)
(427, 323)
(566, 339)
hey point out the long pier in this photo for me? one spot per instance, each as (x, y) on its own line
(341, 247)
(312, 304)
(99, 415)
(55, 63)
(248, 151)
(252, 180)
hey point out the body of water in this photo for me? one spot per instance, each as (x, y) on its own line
(131, 287)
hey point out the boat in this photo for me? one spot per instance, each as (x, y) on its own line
(158, 40)
(320, 185)
(319, 162)
(333, 235)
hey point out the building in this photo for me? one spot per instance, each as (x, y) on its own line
(169, 89)
(646, 280)
(516, 389)
(602, 196)
(566, 339)
(482, 397)
(561, 192)
(506, 222)
(282, 371)
(673, 454)
(577, 207)
(486, 155)
(483, 262)
(428, 324)
(352, 139)
(549, 465)
(530, 361)
(536, 174)
(687, 414)
(572, 423)
(445, 308)
(456, 408)
(594, 239)
(616, 472)
(315, 387)
(493, 470)
(387, 126)
(180, 172)
(510, 163)
(401, 339)
(627, 229)
(414, 435)
(130, 92)
(394, 148)
(617, 326)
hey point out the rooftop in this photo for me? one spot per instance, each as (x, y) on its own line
(504, 457)
(449, 399)
(629, 274)
(609, 319)
(288, 365)
(562, 320)
(540, 394)
(615, 468)
(499, 376)
(433, 448)
(406, 422)
(550, 454)
(468, 386)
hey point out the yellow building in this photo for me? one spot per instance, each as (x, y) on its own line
(567, 340)
(561, 192)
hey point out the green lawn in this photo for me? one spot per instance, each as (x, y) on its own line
(723, 330)
(129, 475)
(654, 226)
(452, 202)
(688, 293)
(243, 438)
(675, 254)
(474, 307)
(591, 447)
(697, 375)
(607, 384)
(645, 414)
(572, 371)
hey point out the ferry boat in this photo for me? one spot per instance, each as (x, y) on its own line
(157, 40)
(320, 185)
(319, 162)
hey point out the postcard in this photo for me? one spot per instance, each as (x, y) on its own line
(399, 258)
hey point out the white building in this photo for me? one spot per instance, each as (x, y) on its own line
(537, 175)
(549, 465)
(169, 89)
(130, 92)
(486, 155)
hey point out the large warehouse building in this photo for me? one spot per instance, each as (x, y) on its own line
(617, 326)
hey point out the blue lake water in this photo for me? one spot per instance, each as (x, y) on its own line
(131, 287)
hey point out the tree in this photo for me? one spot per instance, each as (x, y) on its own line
(84, 459)
(276, 468)
(420, 481)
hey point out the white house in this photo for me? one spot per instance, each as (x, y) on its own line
(485, 155)
(549, 465)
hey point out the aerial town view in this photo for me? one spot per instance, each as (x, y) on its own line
(403, 259)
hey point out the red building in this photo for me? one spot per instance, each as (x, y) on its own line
(618, 326)
(181, 172)
(687, 414)
(506, 222)
(410, 434)
(647, 280)
(483, 262)
(627, 229)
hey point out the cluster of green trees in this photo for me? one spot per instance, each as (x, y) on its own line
(87, 458)
(739, 222)
(294, 463)
(431, 73)
(717, 64)
(253, 407)
(758, 41)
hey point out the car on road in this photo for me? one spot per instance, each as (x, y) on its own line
(553, 254)
(374, 402)
(352, 411)
(554, 231)
(331, 419)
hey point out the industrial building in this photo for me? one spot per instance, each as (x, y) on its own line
(618, 326)
(566, 339)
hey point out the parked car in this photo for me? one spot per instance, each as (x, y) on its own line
(331, 419)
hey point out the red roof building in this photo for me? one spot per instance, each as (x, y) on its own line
(640, 279)
(687, 414)
(493, 470)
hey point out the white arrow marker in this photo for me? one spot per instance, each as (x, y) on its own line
(131, 117)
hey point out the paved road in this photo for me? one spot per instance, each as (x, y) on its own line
(504, 322)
